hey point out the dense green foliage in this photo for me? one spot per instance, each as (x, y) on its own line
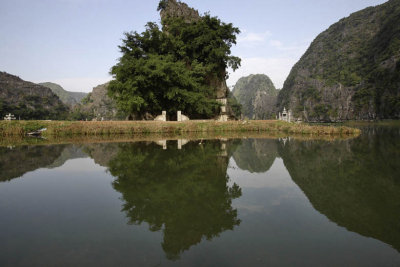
(34, 107)
(162, 5)
(27, 101)
(87, 99)
(174, 68)
(77, 114)
(234, 105)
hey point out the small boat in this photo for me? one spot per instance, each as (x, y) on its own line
(37, 133)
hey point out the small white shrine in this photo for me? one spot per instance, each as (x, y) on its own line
(162, 117)
(181, 117)
(223, 112)
(9, 117)
(285, 115)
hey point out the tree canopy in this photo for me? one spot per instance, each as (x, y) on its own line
(173, 68)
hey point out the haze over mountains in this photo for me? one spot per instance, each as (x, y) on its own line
(67, 97)
(98, 105)
(351, 71)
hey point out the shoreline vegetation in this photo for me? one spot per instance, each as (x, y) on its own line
(114, 128)
(155, 137)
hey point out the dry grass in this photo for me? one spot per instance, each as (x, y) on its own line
(123, 138)
(85, 128)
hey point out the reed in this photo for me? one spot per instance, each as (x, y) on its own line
(76, 128)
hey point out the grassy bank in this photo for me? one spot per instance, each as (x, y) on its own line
(76, 128)
(123, 138)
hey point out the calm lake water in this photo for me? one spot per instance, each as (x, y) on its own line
(249, 202)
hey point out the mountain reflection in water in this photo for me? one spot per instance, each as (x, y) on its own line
(355, 183)
(187, 195)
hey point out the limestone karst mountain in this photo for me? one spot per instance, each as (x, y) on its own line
(27, 100)
(173, 8)
(67, 97)
(351, 70)
(257, 95)
(97, 105)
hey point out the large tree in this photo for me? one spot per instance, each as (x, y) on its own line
(174, 68)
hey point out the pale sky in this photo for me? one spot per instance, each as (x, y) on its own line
(75, 42)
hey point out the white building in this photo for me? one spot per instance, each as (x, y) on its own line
(286, 115)
(9, 117)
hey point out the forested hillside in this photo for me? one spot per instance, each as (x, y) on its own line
(351, 70)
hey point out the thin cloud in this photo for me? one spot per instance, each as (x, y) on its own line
(252, 38)
(275, 43)
(297, 48)
(79, 84)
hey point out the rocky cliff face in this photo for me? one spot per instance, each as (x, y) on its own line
(28, 100)
(67, 97)
(257, 95)
(173, 8)
(351, 70)
(97, 104)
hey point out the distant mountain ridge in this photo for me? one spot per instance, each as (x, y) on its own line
(67, 97)
(97, 105)
(27, 100)
(257, 95)
(351, 71)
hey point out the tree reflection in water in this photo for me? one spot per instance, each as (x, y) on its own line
(184, 193)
